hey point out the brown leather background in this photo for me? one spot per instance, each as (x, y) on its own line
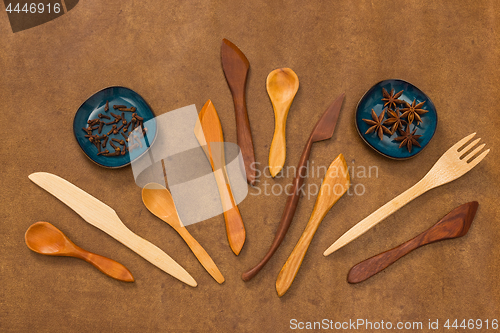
(169, 52)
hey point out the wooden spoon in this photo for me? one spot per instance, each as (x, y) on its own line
(208, 131)
(160, 203)
(282, 85)
(235, 66)
(44, 238)
(322, 131)
(455, 224)
(335, 184)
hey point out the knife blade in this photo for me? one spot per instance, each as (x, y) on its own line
(105, 218)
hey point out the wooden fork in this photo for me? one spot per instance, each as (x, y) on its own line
(450, 166)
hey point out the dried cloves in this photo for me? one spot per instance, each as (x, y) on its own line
(119, 106)
(103, 152)
(100, 115)
(106, 108)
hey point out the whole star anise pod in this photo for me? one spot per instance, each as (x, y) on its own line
(413, 111)
(408, 138)
(391, 99)
(376, 124)
(395, 120)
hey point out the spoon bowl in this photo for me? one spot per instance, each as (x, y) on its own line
(44, 238)
(282, 85)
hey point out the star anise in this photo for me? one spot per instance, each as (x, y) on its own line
(376, 124)
(408, 138)
(391, 99)
(395, 120)
(413, 111)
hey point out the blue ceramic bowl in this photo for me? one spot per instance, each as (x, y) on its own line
(94, 105)
(389, 147)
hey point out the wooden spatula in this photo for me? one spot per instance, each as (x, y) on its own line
(335, 184)
(208, 131)
(455, 224)
(322, 131)
(235, 66)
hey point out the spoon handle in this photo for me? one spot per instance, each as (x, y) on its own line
(107, 266)
(200, 253)
(375, 264)
(288, 212)
(277, 153)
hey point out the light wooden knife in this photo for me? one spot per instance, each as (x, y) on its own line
(105, 218)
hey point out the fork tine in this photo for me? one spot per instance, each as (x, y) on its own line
(463, 141)
(474, 152)
(478, 159)
(469, 147)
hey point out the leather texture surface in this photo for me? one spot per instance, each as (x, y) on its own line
(169, 53)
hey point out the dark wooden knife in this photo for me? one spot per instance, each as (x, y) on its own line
(455, 224)
(235, 66)
(323, 130)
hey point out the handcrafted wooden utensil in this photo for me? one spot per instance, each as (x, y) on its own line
(208, 131)
(335, 184)
(105, 218)
(44, 238)
(235, 66)
(455, 224)
(323, 130)
(282, 85)
(453, 164)
(160, 203)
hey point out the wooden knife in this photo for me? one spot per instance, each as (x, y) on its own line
(105, 218)
(235, 66)
(208, 131)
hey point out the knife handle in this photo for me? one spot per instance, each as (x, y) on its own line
(375, 264)
(235, 228)
(152, 254)
(244, 134)
(107, 266)
(288, 213)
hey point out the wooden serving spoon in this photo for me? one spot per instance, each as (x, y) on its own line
(44, 238)
(322, 131)
(160, 203)
(335, 184)
(208, 131)
(282, 85)
(455, 224)
(235, 66)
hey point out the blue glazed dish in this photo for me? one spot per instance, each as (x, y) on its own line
(94, 105)
(388, 146)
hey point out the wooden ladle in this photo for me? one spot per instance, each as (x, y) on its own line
(282, 85)
(44, 238)
(160, 203)
(455, 224)
(335, 184)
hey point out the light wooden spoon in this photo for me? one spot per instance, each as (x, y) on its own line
(160, 203)
(208, 132)
(335, 184)
(282, 85)
(44, 238)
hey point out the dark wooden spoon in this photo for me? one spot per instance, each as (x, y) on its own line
(322, 131)
(455, 224)
(44, 238)
(235, 66)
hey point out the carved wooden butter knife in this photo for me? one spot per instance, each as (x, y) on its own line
(235, 66)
